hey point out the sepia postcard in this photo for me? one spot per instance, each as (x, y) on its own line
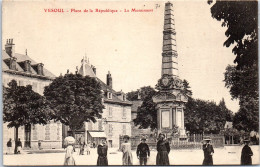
(130, 83)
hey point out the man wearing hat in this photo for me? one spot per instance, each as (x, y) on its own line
(142, 152)
(208, 152)
(246, 154)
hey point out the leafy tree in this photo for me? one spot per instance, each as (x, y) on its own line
(75, 99)
(186, 89)
(23, 107)
(243, 85)
(132, 96)
(241, 20)
(205, 116)
(147, 110)
(224, 109)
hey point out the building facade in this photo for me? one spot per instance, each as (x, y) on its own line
(25, 71)
(116, 116)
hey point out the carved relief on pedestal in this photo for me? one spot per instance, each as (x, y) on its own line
(168, 82)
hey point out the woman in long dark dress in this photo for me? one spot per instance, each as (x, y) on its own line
(102, 154)
(246, 154)
(208, 152)
(163, 149)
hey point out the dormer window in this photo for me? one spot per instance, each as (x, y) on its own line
(124, 98)
(38, 68)
(109, 95)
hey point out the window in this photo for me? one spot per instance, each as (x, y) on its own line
(124, 129)
(124, 99)
(124, 112)
(110, 129)
(100, 125)
(109, 95)
(110, 111)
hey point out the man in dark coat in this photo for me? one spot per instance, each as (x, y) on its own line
(142, 152)
(102, 153)
(246, 154)
(9, 146)
(208, 152)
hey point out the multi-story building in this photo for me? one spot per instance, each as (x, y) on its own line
(116, 117)
(25, 71)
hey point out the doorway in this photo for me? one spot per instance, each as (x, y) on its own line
(27, 130)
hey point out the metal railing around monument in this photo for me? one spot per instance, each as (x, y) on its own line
(193, 141)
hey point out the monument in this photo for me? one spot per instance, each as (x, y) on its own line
(170, 99)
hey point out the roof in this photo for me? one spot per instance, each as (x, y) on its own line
(89, 71)
(114, 99)
(21, 58)
(97, 134)
(136, 104)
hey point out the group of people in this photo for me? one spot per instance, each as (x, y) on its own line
(18, 145)
(82, 146)
(162, 157)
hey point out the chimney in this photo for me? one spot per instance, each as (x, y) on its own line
(109, 79)
(10, 47)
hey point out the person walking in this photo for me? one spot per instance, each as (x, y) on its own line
(163, 150)
(142, 152)
(208, 152)
(88, 148)
(69, 143)
(19, 146)
(246, 154)
(81, 145)
(9, 146)
(126, 149)
(102, 153)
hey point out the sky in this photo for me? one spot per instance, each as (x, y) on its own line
(128, 44)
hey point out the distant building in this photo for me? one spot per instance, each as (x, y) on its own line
(25, 71)
(228, 125)
(116, 117)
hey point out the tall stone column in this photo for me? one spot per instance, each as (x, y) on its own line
(169, 55)
(170, 86)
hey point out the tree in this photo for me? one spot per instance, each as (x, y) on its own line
(147, 110)
(186, 89)
(132, 96)
(240, 18)
(224, 109)
(205, 116)
(75, 99)
(23, 107)
(243, 85)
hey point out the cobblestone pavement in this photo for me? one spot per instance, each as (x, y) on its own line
(228, 155)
